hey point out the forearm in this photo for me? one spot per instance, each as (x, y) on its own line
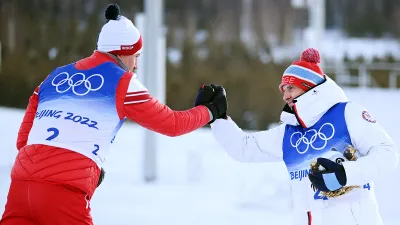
(379, 154)
(380, 160)
(245, 147)
(27, 121)
(158, 117)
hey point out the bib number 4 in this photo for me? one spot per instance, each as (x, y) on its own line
(318, 196)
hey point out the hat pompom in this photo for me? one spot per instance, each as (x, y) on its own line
(112, 12)
(310, 55)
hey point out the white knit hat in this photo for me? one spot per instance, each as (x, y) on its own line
(119, 36)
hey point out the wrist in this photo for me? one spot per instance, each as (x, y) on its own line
(211, 115)
(213, 112)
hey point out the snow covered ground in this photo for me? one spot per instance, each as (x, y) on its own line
(197, 183)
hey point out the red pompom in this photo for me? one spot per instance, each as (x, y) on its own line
(310, 55)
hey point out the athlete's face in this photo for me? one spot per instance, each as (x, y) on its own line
(130, 61)
(291, 92)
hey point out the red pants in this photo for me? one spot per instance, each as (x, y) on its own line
(37, 203)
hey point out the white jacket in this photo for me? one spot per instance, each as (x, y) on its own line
(378, 152)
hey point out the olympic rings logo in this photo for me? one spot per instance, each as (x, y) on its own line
(76, 83)
(310, 142)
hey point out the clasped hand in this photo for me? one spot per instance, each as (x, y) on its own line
(214, 98)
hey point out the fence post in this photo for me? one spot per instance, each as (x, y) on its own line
(362, 75)
(1, 57)
(393, 80)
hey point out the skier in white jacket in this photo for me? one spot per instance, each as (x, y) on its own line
(317, 119)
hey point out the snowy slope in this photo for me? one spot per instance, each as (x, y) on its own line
(197, 183)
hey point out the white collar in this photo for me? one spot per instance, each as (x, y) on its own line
(119, 61)
(313, 104)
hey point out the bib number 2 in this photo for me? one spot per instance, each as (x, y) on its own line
(97, 148)
(55, 132)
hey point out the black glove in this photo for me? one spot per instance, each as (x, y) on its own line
(214, 98)
(330, 179)
(204, 95)
(218, 88)
(101, 178)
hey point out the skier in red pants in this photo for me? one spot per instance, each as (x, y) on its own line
(72, 119)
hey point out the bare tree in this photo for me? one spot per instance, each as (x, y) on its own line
(226, 26)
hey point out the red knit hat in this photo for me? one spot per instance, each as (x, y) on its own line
(304, 73)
